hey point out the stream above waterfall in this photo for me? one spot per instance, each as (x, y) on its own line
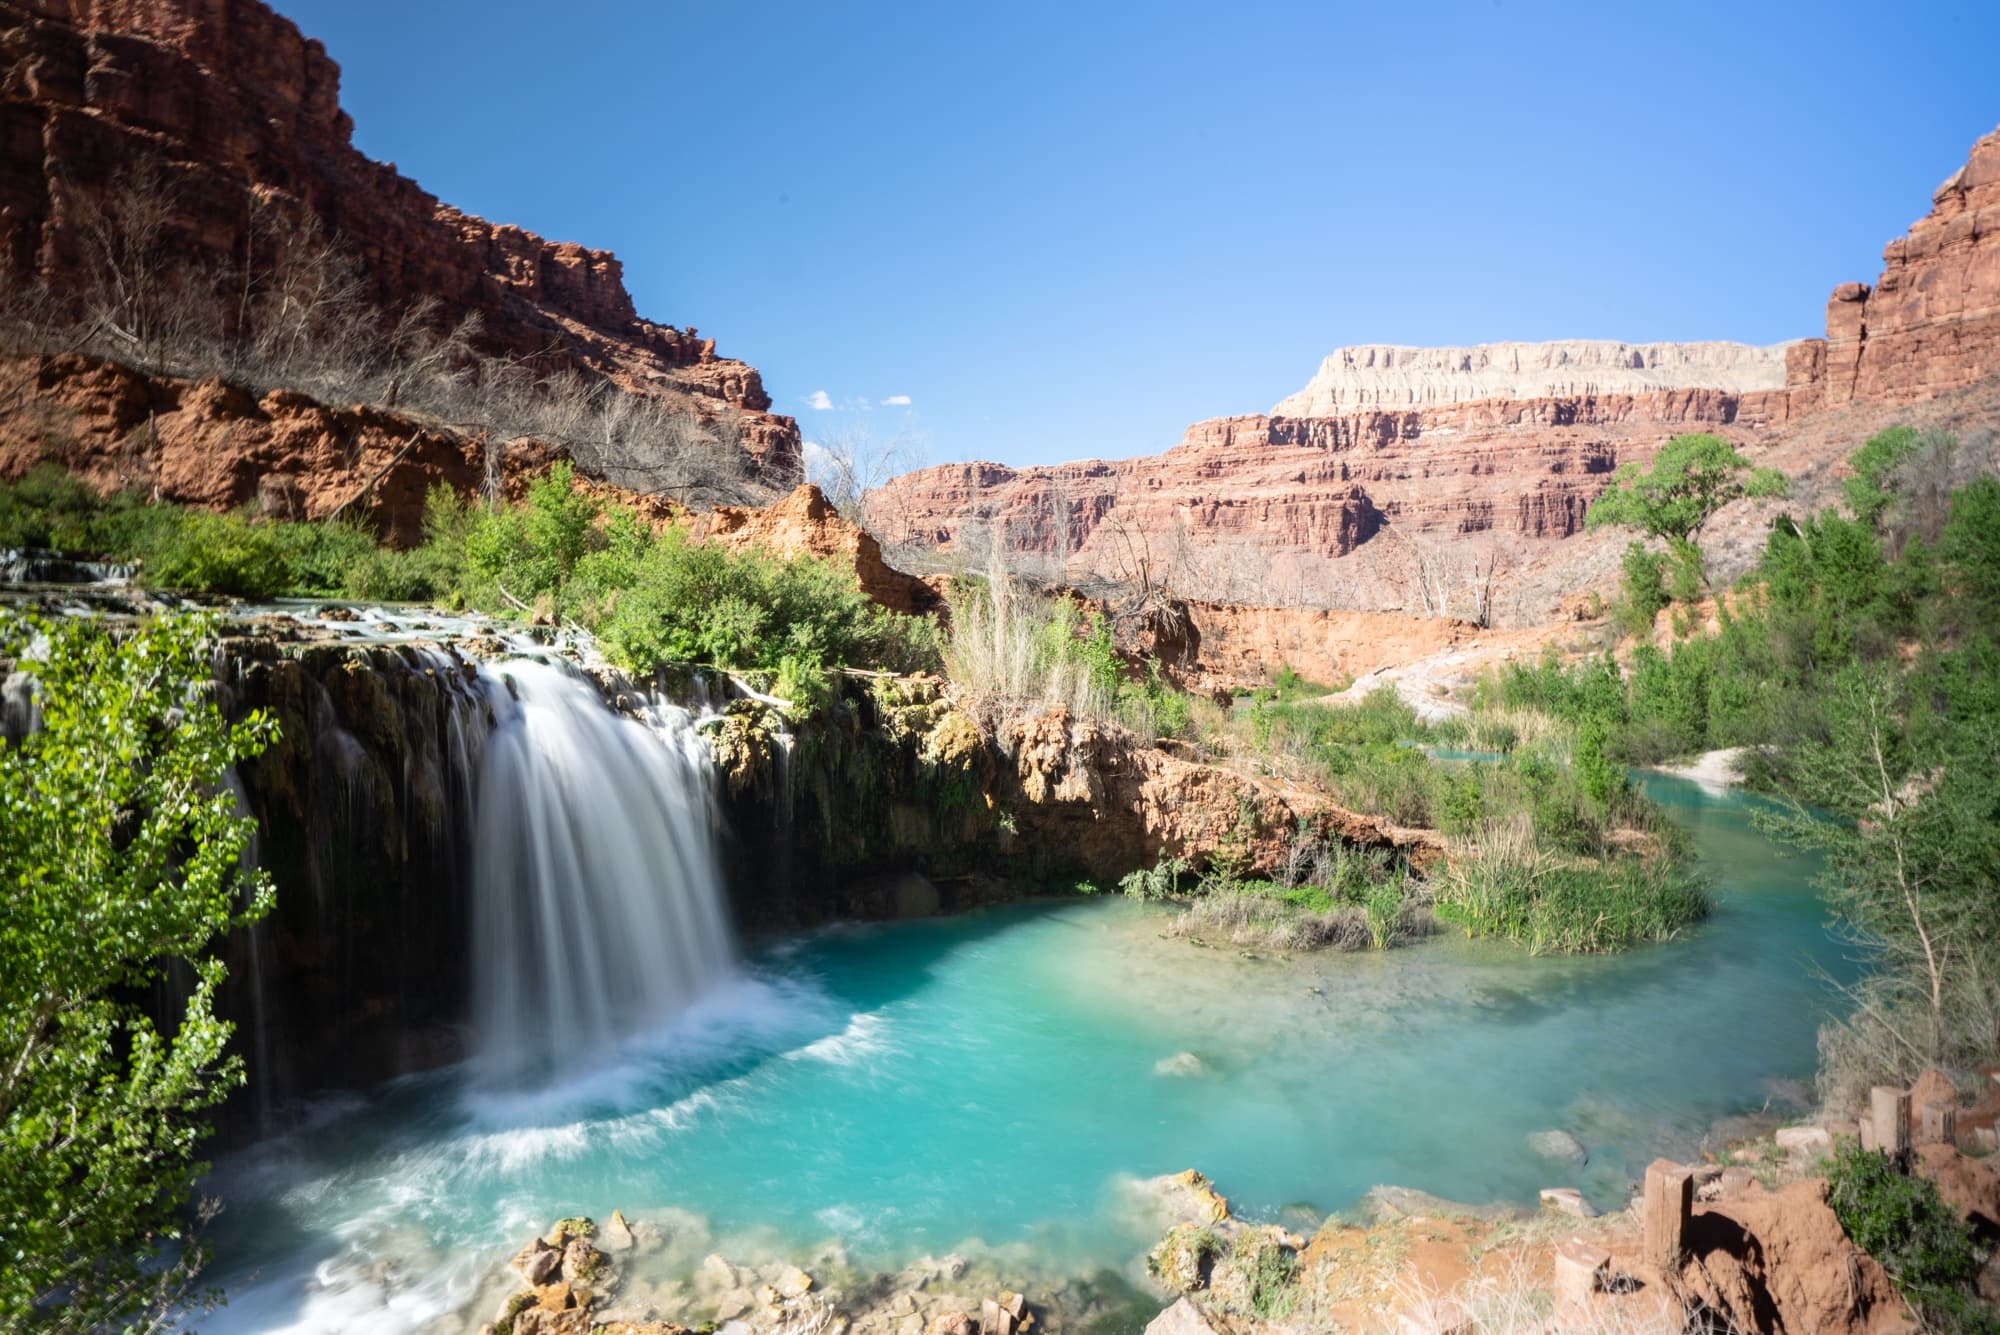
(996, 1081)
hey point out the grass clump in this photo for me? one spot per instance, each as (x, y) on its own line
(1503, 881)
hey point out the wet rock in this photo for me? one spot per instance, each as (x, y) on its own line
(582, 1263)
(541, 1321)
(1558, 1145)
(792, 1282)
(616, 1235)
(953, 1323)
(1184, 1197)
(537, 1263)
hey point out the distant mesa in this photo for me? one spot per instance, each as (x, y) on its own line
(1390, 376)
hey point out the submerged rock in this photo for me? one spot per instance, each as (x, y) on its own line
(1182, 1064)
(1558, 1145)
(1385, 1204)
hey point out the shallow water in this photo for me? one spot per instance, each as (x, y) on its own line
(909, 1087)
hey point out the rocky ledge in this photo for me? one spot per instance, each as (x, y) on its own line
(637, 1278)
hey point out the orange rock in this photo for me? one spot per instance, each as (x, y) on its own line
(1931, 321)
(1969, 1186)
(805, 523)
(1780, 1262)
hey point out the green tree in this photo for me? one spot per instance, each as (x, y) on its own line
(120, 853)
(1906, 767)
(1691, 478)
(1869, 492)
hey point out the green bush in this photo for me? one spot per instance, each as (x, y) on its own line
(1902, 1222)
(1160, 881)
(1643, 592)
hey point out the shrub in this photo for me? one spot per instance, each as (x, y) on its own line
(1902, 1222)
(205, 553)
(1160, 881)
(1642, 590)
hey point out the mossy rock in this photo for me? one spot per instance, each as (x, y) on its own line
(577, 1226)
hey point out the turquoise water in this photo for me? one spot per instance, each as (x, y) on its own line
(995, 1080)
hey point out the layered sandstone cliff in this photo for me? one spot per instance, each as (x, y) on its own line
(1402, 377)
(1930, 324)
(1336, 511)
(1400, 473)
(235, 114)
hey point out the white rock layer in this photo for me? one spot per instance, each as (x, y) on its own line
(1386, 376)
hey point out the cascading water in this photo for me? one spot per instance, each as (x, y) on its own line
(598, 908)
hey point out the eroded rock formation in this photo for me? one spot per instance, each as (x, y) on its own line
(1930, 323)
(232, 112)
(213, 444)
(1393, 462)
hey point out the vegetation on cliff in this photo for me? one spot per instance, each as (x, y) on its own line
(1859, 666)
(121, 850)
(650, 593)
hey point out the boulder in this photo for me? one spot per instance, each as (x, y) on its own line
(582, 1263)
(537, 1263)
(1383, 1205)
(1183, 1318)
(616, 1235)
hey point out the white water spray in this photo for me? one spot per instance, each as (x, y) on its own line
(598, 908)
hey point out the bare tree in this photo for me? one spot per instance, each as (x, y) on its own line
(850, 466)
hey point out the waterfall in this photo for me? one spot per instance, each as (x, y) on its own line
(598, 907)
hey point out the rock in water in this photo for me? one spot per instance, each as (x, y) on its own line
(1181, 1064)
(1558, 1145)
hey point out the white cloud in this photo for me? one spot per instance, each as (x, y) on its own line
(819, 401)
(896, 401)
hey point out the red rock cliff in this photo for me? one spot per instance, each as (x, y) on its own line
(1329, 500)
(229, 101)
(1931, 322)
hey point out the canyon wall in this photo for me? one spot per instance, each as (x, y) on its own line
(1930, 324)
(227, 113)
(1396, 471)
(1393, 377)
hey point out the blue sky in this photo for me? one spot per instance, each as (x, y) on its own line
(1068, 230)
